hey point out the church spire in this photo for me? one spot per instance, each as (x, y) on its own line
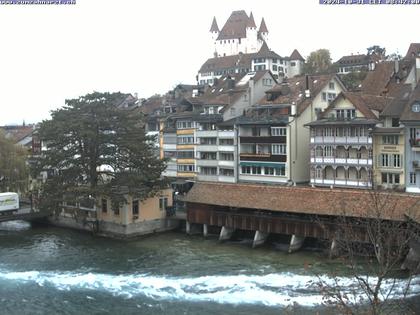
(214, 27)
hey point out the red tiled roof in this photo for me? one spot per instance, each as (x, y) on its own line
(265, 52)
(296, 92)
(17, 133)
(235, 26)
(376, 81)
(305, 200)
(413, 50)
(365, 103)
(227, 62)
(296, 56)
(408, 114)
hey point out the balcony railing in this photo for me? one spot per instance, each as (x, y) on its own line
(342, 140)
(255, 154)
(342, 182)
(336, 160)
(414, 142)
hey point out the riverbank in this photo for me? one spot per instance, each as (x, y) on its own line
(53, 270)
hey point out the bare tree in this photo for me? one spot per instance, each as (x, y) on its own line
(371, 239)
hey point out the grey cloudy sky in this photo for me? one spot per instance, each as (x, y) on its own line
(52, 53)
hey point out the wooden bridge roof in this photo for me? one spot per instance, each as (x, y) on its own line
(308, 200)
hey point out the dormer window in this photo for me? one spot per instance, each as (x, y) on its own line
(346, 113)
(416, 107)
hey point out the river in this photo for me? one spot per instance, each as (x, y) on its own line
(48, 270)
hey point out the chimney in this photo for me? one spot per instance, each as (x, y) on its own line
(396, 66)
(251, 84)
(230, 83)
(293, 109)
(307, 90)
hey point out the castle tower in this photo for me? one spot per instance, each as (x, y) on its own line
(263, 31)
(214, 31)
(251, 36)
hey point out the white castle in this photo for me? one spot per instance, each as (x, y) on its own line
(238, 35)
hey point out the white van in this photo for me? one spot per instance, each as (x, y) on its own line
(9, 202)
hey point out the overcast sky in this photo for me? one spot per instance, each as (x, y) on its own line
(52, 53)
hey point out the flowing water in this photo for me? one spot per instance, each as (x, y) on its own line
(47, 270)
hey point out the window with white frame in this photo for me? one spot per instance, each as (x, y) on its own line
(390, 139)
(331, 86)
(184, 124)
(384, 160)
(390, 178)
(278, 131)
(185, 167)
(278, 149)
(185, 139)
(412, 178)
(163, 203)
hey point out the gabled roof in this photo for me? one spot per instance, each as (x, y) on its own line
(376, 81)
(397, 105)
(408, 114)
(364, 103)
(263, 27)
(235, 26)
(214, 27)
(227, 62)
(353, 60)
(296, 56)
(413, 50)
(251, 21)
(292, 90)
(265, 52)
(18, 133)
(308, 200)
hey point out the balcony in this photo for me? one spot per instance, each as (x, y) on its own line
(206, 133)
(346, 161)
(415, 144)
(205, 162)
(341, 140)
(226, 163)
(263, 139)
(226, 134)
(341, 182)
(263, 157)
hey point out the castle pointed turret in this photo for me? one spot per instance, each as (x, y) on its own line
(251, 22)
(214, 27)
(263, 27)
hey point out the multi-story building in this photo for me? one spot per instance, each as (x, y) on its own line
(411, 120)
(389, 143)
(264, 59)
(342, 141)
(272, 140)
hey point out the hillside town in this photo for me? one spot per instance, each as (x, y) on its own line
(272, 146)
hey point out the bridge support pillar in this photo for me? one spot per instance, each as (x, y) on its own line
(333, 249)
(192, 228)
(225, 233)
(296, 243)
(259, 238)
(205, 230)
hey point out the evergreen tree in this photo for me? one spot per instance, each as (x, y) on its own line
(95, 148)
